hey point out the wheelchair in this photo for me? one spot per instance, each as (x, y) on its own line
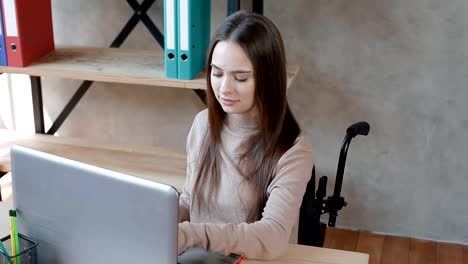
(314, 204)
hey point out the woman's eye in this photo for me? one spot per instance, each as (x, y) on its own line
(241, 79)
(216, 74)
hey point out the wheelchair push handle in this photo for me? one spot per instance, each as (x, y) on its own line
(360, 128)
(314, 204)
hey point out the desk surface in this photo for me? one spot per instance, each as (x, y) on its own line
(295, 254)
(114, 65)
(156, 164)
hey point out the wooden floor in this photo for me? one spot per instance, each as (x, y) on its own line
(399, 250)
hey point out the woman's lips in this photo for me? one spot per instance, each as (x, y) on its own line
(228, 102)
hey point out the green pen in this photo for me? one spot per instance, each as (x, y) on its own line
(15, 238)
(5, 252)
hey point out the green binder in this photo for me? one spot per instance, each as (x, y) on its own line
(170, 38)
(194, 18)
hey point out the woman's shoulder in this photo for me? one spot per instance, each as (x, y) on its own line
(302, 143)
(295, 165)
(202, 117)
(301, 151)
(200, 122)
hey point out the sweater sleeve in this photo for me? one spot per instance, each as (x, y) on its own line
(184, 201)
(268, 237)
(194, 137)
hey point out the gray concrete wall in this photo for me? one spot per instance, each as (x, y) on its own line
(401, 65)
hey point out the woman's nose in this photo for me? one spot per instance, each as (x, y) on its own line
(226, 85)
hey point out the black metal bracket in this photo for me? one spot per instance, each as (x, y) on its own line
(1, 175)
(257, 6)
(138, 15)
(79, 93)
(331, 205)
(234, 5)
(36, 92)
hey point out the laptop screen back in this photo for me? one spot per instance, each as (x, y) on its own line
(79, 213)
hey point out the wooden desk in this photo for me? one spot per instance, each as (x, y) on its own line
(297, 254)
(156, 164)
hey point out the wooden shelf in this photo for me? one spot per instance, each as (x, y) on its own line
(114, 65)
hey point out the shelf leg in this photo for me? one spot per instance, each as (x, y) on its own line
(36, 92)
(233, 6)
(257, 6)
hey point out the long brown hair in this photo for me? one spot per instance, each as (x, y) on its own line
(262, 43)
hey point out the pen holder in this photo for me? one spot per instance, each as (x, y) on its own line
(27, 253)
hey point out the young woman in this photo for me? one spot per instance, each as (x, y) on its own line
(248, 163)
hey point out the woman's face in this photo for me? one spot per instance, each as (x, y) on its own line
(232, 79)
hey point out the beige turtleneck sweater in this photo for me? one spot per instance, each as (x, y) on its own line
(224, 229)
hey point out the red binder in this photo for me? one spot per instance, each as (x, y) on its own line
(28, 30)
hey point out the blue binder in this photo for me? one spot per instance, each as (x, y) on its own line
(170, 38)
(194, 18)
(3, 54)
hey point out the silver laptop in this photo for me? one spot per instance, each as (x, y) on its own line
(79, 213)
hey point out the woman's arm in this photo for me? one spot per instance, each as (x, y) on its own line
(268, 237)
(183, 213)
(192, 146)
(184, 198)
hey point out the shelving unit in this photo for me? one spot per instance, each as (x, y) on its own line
(98, 64)
(106, 64)
(103, 64)
(114, 65)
